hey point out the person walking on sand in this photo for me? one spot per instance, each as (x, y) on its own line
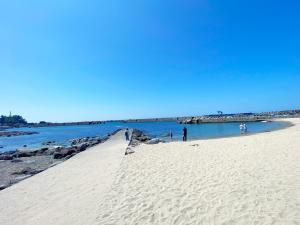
(127, 134)
(184, 134)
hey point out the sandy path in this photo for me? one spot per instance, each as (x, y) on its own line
(67, 194)
(240, 180)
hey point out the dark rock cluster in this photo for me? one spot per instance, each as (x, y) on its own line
(21, 164)
(87, 140)
(77, 145)
(48, 143)
(27, 171)
(138, 137)
(15, 133)
(224, 119)
(28, 153)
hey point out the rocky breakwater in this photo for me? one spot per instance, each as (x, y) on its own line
(139, 137)
(223, 119)
(21, 164)
(77, 145)
(16, 133)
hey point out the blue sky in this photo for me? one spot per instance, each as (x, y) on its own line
(94, 60)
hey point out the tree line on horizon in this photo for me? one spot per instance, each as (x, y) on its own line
(12, 120)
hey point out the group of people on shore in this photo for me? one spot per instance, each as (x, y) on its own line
(243, 129)
(184, 134)
(184, 137)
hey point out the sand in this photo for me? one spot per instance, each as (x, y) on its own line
(239, 180)
(67, 193)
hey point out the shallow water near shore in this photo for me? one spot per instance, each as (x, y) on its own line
(62, 134)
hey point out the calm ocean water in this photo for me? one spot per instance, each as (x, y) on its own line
(155, 129)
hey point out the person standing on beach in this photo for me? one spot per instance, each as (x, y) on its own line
(171, 135)
(127, 134)
(184, 134)
(245, 128)
(242, 128)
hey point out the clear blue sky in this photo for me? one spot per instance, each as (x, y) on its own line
(64, 60)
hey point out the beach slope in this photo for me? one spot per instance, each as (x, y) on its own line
(242, 180)
(67, 193)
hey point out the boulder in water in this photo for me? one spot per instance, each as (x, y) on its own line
(48, 143)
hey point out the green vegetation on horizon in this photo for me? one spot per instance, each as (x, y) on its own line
(12, 120)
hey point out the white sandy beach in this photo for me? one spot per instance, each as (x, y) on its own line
(68, 193)
(239, 180)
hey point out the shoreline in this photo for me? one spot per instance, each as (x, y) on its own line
(250, 179)
(43, 160)
(288, 124)
(236, 180)
(66, 144)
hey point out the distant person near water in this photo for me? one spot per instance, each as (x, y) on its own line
(243, 128)
(127, 134)
(171, 135)
(184, 134)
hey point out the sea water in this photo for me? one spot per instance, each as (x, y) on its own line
(62, 134)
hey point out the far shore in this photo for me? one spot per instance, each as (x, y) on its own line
(213, 118)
